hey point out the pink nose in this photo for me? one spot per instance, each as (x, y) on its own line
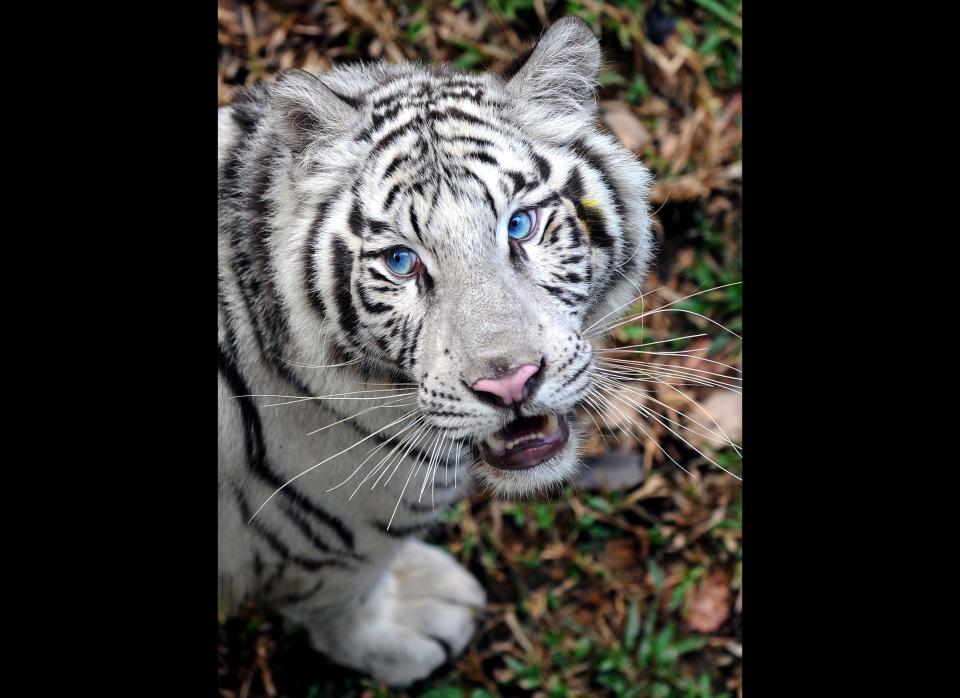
(508, 388)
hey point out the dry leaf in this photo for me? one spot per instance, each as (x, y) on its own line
(625, 126)
(724, 407)
(709, 603)
(619, 554)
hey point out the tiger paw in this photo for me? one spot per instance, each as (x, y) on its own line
(420, 615)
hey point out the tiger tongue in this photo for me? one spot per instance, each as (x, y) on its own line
(526, 442)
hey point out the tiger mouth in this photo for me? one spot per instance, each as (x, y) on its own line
(526, 442)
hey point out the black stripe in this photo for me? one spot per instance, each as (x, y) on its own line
(596, 225)
(275, 577)
(459, 114)
(393, 135)
(412, 354)
(559, 293)
(414, 224)
(475, 97)
(486, 190)
(448, 413)
(246, 116)
(256, 448)
(403, 341)
(573, 187)
(356, 221)
(479, 157)
(372, 307)
(342, 281)
(576, 375)
(395, 163)
(543, 167)
(278, 546)
(461, 81)
(380, 277)
(346, 99)
(596, 162)
(519, 181)
(394, 190)
(471, 139)
(298, 520)
(384, 101)
(311, 273)
(572, 277)
(379, 117)
(378, 227)
(401, 531)
(301, 596)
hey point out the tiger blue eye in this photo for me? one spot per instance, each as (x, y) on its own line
(401, 260)
(521, 224)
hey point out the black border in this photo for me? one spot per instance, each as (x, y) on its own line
(118, 524)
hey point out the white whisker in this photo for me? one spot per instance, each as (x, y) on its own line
(659, 341)
(399, 444)
(664, 309)
(619, 308)
(635, 365)
(657, 418)
(294, 363)
(374, 450)
(665, 353)
(369, 409)
(340, 396)
(325, 460)
(714, 436)
(413, 444)
(662, 377)
(643, 431)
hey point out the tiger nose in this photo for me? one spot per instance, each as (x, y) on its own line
(511, 387)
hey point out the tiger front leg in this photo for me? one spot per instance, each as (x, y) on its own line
(420, 614)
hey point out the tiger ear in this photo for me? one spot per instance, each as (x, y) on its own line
(559, 75)
(308, 112)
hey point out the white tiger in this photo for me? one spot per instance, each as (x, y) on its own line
(420, 248)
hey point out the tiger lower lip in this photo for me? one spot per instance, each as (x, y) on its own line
(526, 442)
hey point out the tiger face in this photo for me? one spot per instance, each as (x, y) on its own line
(482, 223)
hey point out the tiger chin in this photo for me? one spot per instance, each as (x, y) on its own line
(409, 258)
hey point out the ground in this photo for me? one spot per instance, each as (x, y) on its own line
(627, 583)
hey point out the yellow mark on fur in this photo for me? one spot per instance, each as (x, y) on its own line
(587, 202)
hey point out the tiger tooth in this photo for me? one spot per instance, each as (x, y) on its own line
(496, 445)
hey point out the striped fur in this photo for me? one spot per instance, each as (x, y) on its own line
(318, 177)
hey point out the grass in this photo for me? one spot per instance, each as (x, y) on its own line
(631, 592)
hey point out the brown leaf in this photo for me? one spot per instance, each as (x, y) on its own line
(724, 407)
(628, 128)
(537, 604)
(619, 554)
(709, 603)
(682, 188)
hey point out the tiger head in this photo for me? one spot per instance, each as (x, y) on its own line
(472, 227)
